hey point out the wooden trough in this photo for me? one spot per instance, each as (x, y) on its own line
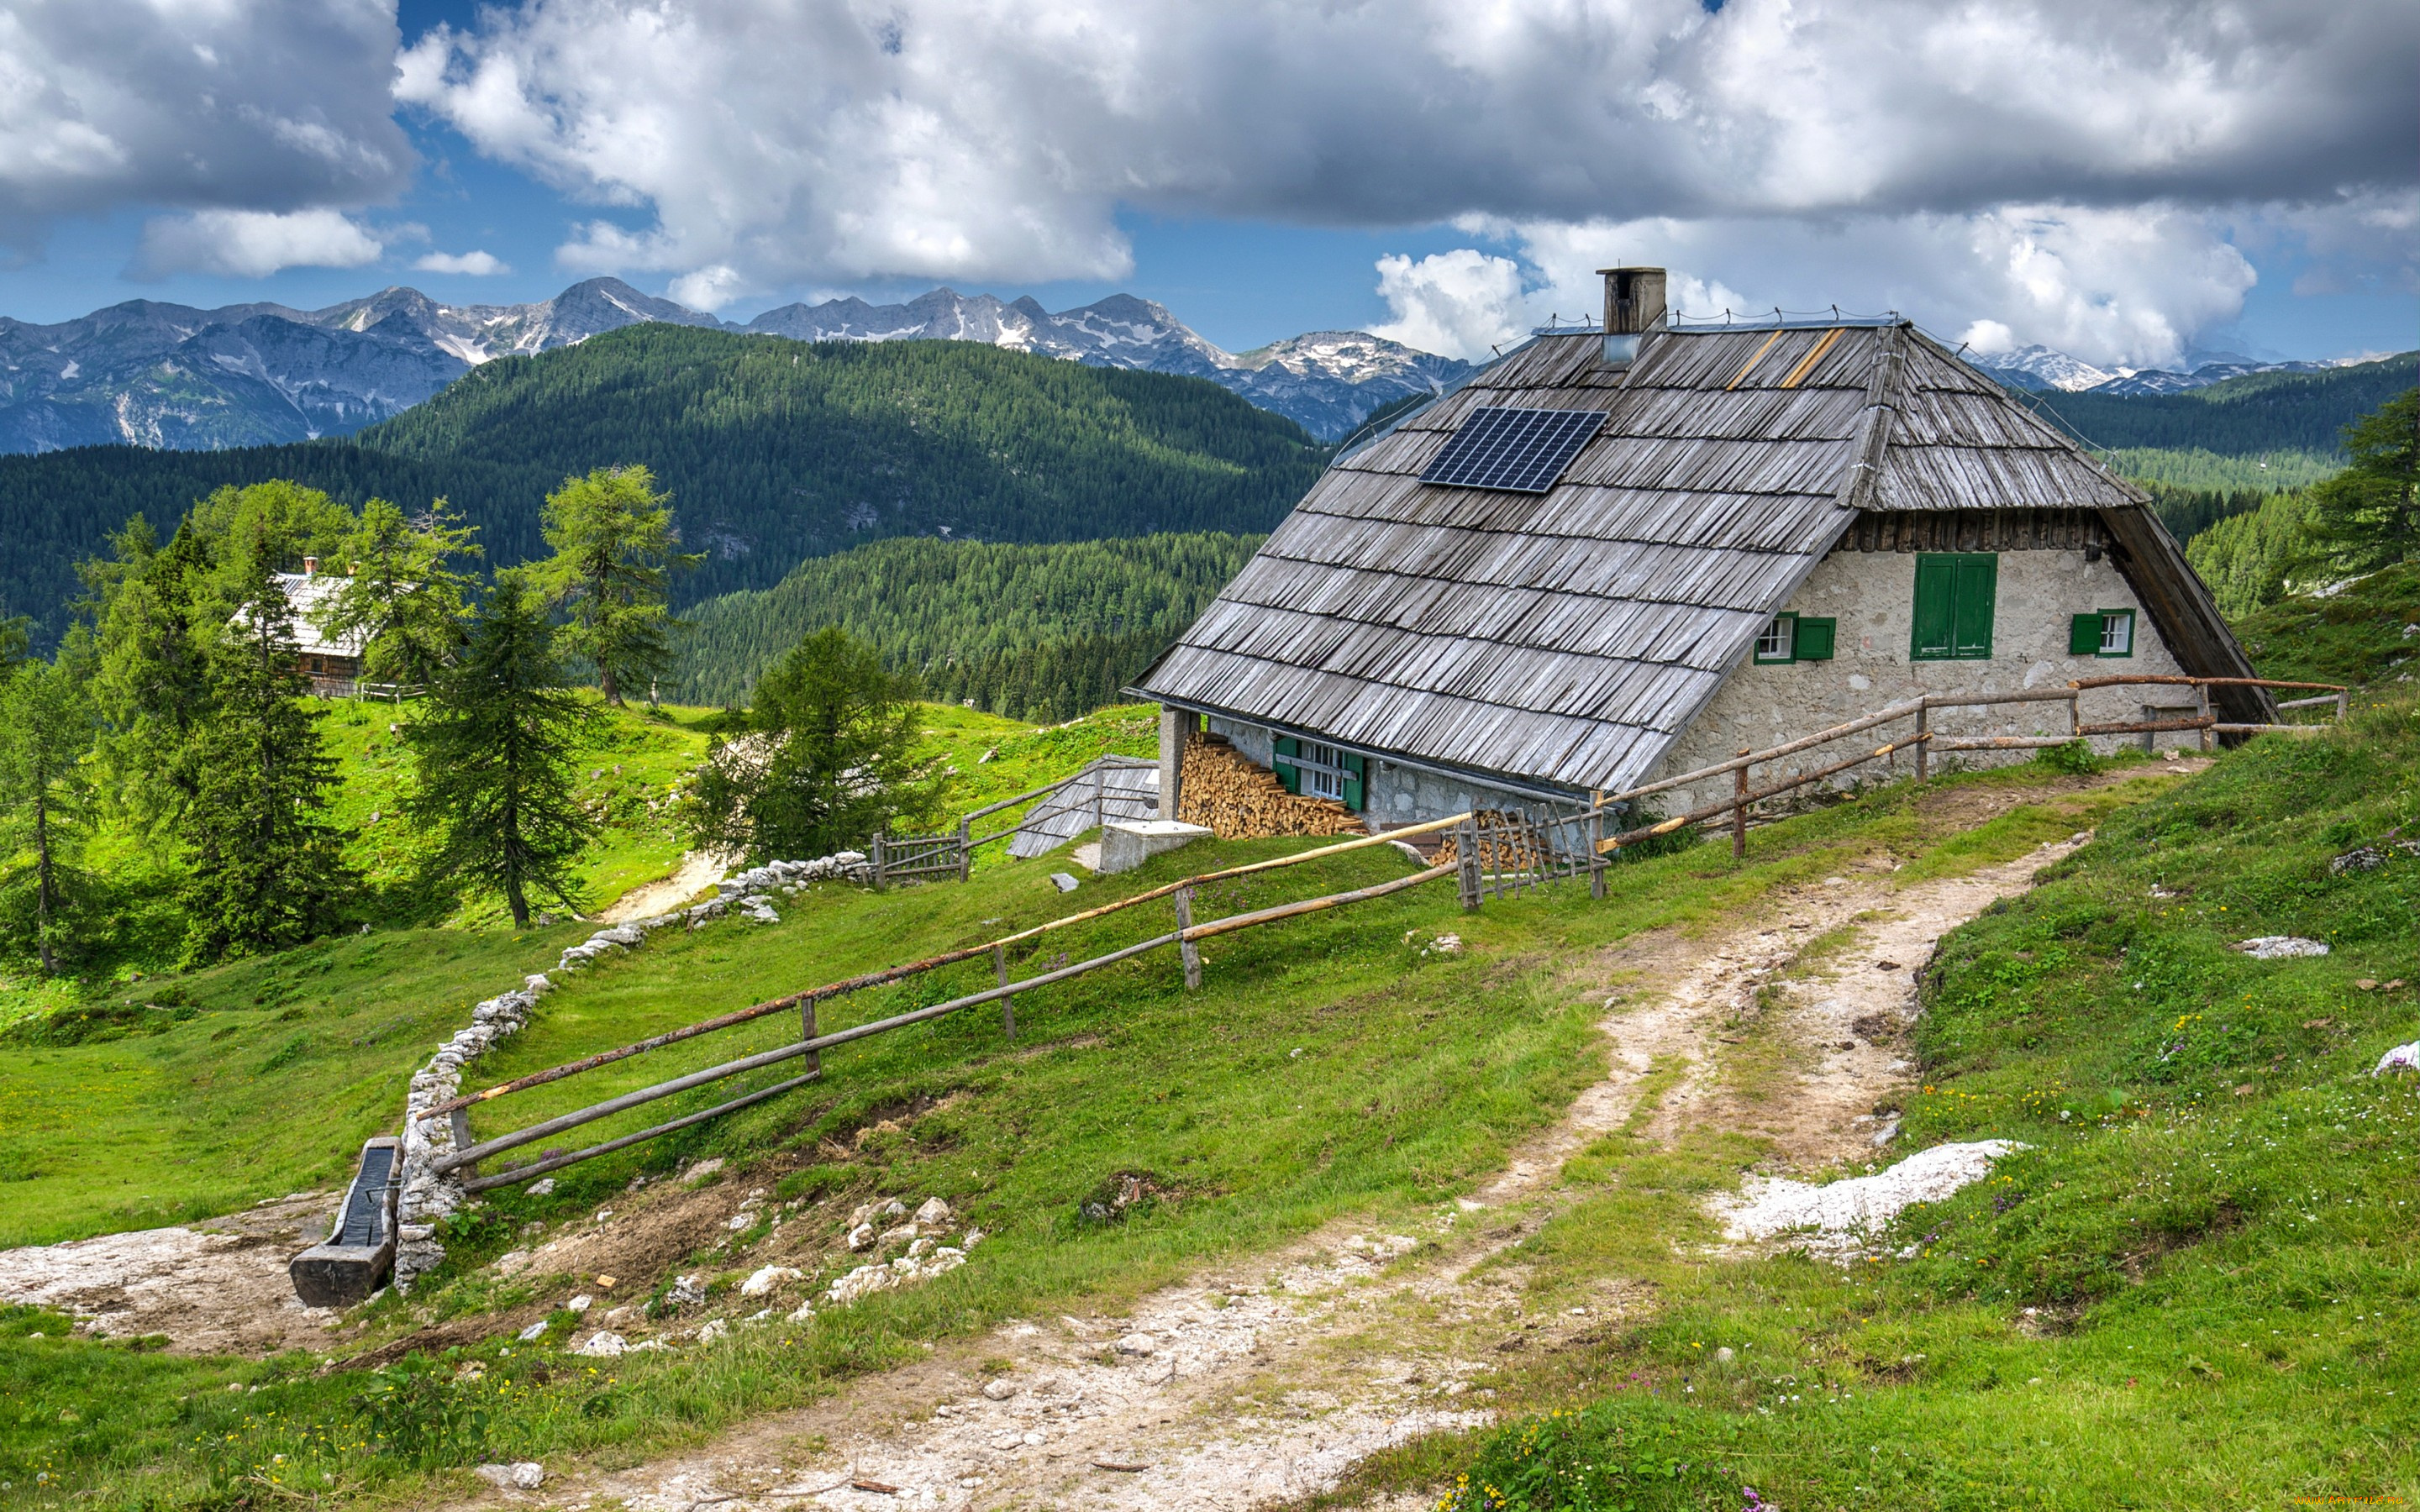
(359, 1252)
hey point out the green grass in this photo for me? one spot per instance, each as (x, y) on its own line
(1326, 1067)
(2192, 1291)
(2353, 636)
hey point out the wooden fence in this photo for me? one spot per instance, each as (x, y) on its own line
(1494, 853)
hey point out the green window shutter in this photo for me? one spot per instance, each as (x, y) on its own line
(1353, 770)
(2083, 634)
(1979, 585)
(1287, 772)
(1814, 640)
(1934, 581)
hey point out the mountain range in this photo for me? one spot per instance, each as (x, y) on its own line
(2043, 368)
(173, 376)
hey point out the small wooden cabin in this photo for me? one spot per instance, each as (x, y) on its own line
(332, 665)
(1616, 555)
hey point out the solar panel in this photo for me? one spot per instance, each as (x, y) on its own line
(1523, 451)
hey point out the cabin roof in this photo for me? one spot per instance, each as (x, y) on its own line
(1569, 636)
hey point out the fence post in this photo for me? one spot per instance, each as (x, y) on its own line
(877, 861)
(1191, 951)
(1923, 745)
(1596, 853)
(1465, 863)
(1007, 1004)
(966, 850)
(2201, 701)
(1739, 811)
(2343, 706)
(807, 1031)
(1100, 799)
(463, 1140)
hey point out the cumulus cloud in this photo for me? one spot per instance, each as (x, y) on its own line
(474, 263)
(271, 106)
(772, 142)
(251, 243)
(1462, 303)
(2125, 287)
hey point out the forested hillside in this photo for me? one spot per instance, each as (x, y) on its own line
(1036, 632)
(2247, 416)
(772, 450)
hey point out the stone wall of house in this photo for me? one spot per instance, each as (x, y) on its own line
(1871, 596)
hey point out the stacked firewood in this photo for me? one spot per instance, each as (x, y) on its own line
(1508, 843)
(1241, 799)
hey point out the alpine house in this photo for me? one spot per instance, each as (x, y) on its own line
(1614, 556)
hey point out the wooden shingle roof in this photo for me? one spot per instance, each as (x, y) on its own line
(1569, 636)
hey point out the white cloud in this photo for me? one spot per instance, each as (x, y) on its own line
(1464, 303)
(2115, 287)
(251, 243)
(474, 263)
(1910, 144)
(271, 106)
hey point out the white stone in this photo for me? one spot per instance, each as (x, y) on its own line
(526, 1475)
(1126, 844)
(999, 1389)
(603, 1346)
(540, 1187)
(1862, 1203)
(533, 1334)
(860, 1237)
(2281, 947)
(934, 1212)
(715, 1328)
(579, 1304)
(767, 1278)
(1137, 1344)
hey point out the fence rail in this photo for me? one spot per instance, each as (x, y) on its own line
(1494, 852)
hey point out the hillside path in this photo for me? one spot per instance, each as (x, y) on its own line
(1263, 1381)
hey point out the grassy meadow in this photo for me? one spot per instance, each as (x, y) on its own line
(1326, 1068)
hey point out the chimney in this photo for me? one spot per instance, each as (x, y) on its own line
(310, 565)
(1633, 306)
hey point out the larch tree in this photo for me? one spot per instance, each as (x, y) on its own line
(46, 731)
(2367, 516)
(827, 760)
(615, 551)
(402, 600)
(493, 748)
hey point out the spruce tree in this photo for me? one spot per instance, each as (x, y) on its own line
(266, 870)
(46, 728)
(492, 751)
(614, 553)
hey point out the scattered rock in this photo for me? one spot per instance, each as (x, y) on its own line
(1062, 882)
(525, 1475)
(702, 1169)
(1861, 1203)
(543, 1186)
(860, 1237)
(1000, 1388)
(767, 1278)
(579, 1304)
(2361, 858)
(933, 1213)
(602, 1345)
(533, 1334)
(2280, 946)
(2402, 1057)
(1137, 1344)
(714, 1329)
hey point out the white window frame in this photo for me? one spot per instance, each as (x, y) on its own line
(2116, 632)
(1321, 769)
(1778, 639)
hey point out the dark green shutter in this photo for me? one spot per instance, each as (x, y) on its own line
(1978, 588)
(1813, 642)
(2083, 634)
(1934, 583)
(1352, 765)
(1287, 772)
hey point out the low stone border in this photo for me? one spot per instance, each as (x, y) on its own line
(427, 1197)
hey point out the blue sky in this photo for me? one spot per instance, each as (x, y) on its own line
(1257, 168)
